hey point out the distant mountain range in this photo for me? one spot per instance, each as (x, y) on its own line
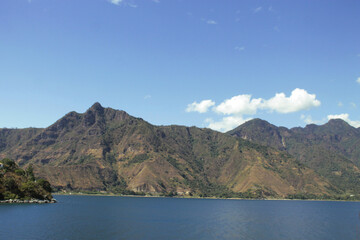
(332, 150)
(108, 150)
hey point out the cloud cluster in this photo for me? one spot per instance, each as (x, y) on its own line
(227, 123)
(358, 80)
(299, 100)
(240, 105)
(201, 107)
(244, 104)
(345, 117)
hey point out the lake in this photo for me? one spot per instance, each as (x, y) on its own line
(110, 217)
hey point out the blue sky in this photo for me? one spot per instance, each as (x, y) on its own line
(206, 63)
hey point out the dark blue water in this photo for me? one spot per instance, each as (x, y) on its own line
(101, 217)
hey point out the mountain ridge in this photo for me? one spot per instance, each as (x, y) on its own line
(104, 149)
(330, 149)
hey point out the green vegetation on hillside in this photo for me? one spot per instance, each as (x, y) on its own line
(16, 183)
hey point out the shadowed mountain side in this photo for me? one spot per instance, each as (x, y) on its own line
(107, 149)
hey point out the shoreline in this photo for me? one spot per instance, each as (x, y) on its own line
(192, 197)
(37, 201)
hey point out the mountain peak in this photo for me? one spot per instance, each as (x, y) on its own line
(337, 121)
(96, 107)
(260, 131)
(256, 122)
(93, 114)
(338, 124)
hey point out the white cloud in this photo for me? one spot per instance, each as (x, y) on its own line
(340, 104)
(353, 105)
(308, 119)
(123, 2)
(211, 22)
(237, 48)
(227, 123)
(156, 1)
(299, 100)
(147, 96)
(358, 80)
(345, 117)
(241, 104)
(116, 2)
(201, 107)
(258, 9)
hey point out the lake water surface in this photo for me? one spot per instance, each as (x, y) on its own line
(103, 217)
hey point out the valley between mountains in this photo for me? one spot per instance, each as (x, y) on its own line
(108, 150)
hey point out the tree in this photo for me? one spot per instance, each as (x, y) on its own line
(30, 173)
(44, 184)
(8, 163)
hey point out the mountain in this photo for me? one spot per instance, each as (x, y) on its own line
(108, 150)
(261, 132)
(332, 149)
(11, 137)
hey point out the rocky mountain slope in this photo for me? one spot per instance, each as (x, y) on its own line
(332, 149)
(107, 149)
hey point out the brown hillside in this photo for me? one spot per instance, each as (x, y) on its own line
(107, 149)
